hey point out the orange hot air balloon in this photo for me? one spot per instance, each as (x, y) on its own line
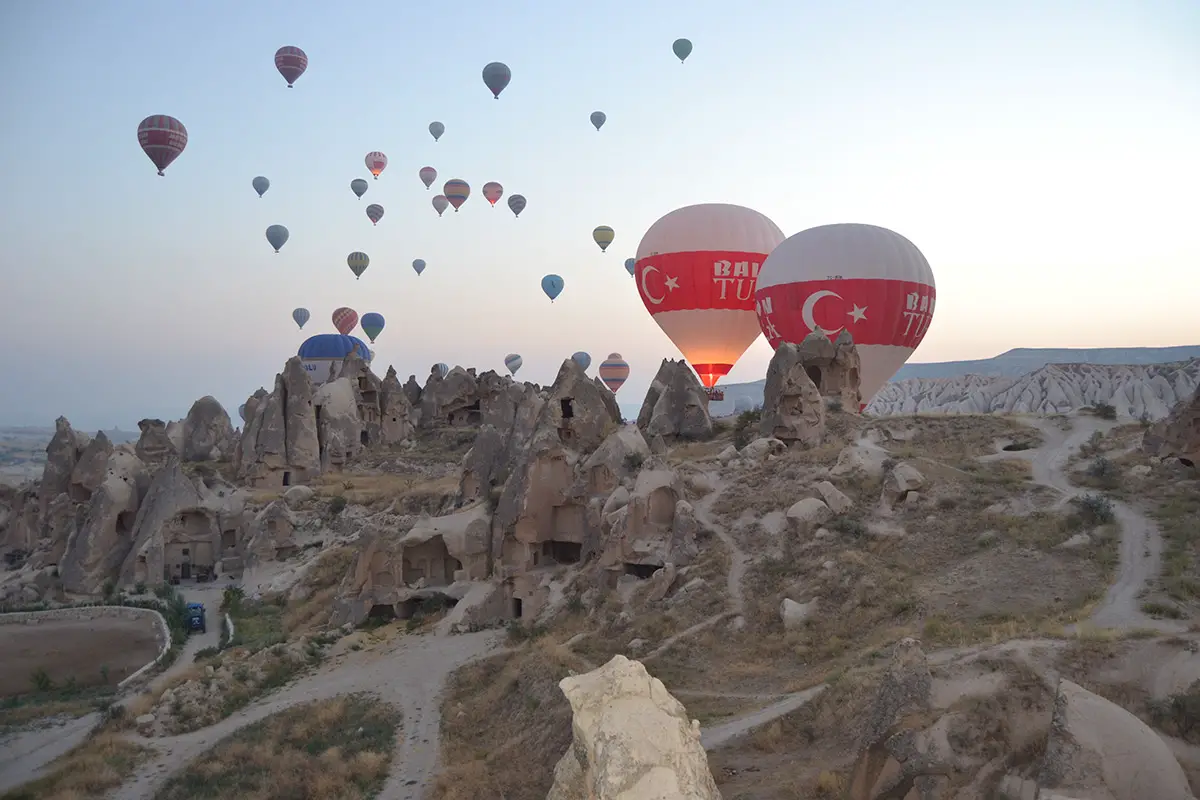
(614, 372)
(696, 272)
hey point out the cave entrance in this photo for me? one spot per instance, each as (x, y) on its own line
(364, 438)
(641, 571)
(567, 406)
(562, 552)
(814, 372)
(516, 608)
(382, 612)
(287, 478)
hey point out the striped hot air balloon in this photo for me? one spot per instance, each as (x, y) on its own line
(614, 372)
(513, 362)
(456, 192)
(300, 316)
(440, 203)
(291, 62)
(603, 236)
(374, 213)
(376, 162)
(516, 204)
(162, 139)
(358, 263)
(492, 192)
(427, 175)
(344, 319)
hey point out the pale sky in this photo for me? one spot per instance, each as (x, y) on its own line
(1043, 154)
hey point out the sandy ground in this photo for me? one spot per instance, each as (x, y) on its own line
(71, 649)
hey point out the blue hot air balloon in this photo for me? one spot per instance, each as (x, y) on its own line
(277, 236)
(513, 361)
(630, 265)
(419, 265)
(582, 359)
(260, 185)
(552, 285)
(300, 316)
(242, 411)
(372, 325)
(325, 349)
(442, 368)
(359, 187)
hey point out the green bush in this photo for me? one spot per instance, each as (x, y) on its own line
(337, 505)
(745, 430)
(1094, 509)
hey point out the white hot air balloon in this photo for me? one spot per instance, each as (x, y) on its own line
(851, 281)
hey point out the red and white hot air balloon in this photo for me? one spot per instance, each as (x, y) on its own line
(376, 163)
(863, 279)
(696, 270)
(344, 319)
(492, 192)
(427, 175)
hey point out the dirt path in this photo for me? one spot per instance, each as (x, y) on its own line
(726, 732)
(409, 673)
(737, 559)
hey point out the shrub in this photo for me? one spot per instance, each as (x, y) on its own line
(337, 505)
(1105, 410)
(1094, 509)
(834, 404)
(745, 430)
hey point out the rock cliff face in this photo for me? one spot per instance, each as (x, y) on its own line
(676, 405)
(1177, 436)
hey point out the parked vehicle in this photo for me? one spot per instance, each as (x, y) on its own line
(196, 618)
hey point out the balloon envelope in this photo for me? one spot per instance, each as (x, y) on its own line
(374, 212)
(242, 411)
(696, 271)
(376, 163)
(598, 118)
(496, 76)
(442, 369)
(291, 63)
(492, 192)
(344, 320)
(358, 263)
(162, 139)
(359, 186)
(682, 49)
(852, 282)
(372, 325)
(582, 359)
(603, 236)
(456, 191)
(552, 285)
(419, 265)
(614, 371)
(513, 362)
(436, 129)
(277, 236)
(427, 175)
(440, 203)
(325, 350)
(631, 265)
(300, 316)
(516, 204)
(260, 185)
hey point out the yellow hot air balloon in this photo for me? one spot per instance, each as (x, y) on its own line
(603, 236)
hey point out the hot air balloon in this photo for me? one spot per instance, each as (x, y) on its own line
(598, 118)
(291, 63)
(603, 236)
(849, 280)
(374, 213)
(344, 320)
(696, 269)
(442, 369)
(359, 187)
(552, 285)
(496, 76)
(260, 185)
(242, 411)
(516, 204)
(372, 325)
(358, 263)
(427, 175)
(436, 129)
(300, 316)
(457, 191)
(682, 49)
(513, 362)
(376, 163)
(162, 139)
(492, 192)
(370, 356)
(582, 359)
(440, 203)
(322, 355)
(419, 265)
(631, 265)
(614, 371)
(277, 236)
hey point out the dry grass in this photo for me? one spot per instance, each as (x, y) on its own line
(91, 770)
(19, 710)
(506, 724)
(321, 585)
(955, 439)
(410, 493)
(338, 748)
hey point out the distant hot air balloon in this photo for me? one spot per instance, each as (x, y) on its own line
(376, 163)
(370, 356)
(496, 76)
(291, 63)
(456, 191)
(614, 372)
(631, 265)
(359, 187)
(419, 265)
(696, 269)
(358, 263)
(603, 236)
(277, 236)
(300, 316)
(492, 192)
(162, 139)
(374, 213)
(372, 325)
(324, 353)
(442, 369)
(552, 285)
(682, 49)
(260, 185)
(582, 359)
(862, 280)
(513, 362)
(436, 129)
(344, 319)
(598, 118)
(242, 411)
(440, 203)
(516, 204)
(427, 175)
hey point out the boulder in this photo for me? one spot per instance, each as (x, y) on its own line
(793, 410)
(154, 446)
(676, 404)
(1177, 436)
(835, 368)
(207, 432)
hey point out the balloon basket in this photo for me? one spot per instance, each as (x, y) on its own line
(715, 394)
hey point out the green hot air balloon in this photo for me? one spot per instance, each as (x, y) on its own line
(372, 324)
(358, 263)
(682, 48)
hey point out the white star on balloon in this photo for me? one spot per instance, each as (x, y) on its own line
(672, 284)
(859, 313)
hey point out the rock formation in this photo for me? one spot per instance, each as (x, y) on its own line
(1177, 436)
(650, 526)
(676, 405)
(156, 445)
(175, 535)
(631, 740)
(452, 400)
(834, 367)
(793, 408)
(279, 444)
(207, 432)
